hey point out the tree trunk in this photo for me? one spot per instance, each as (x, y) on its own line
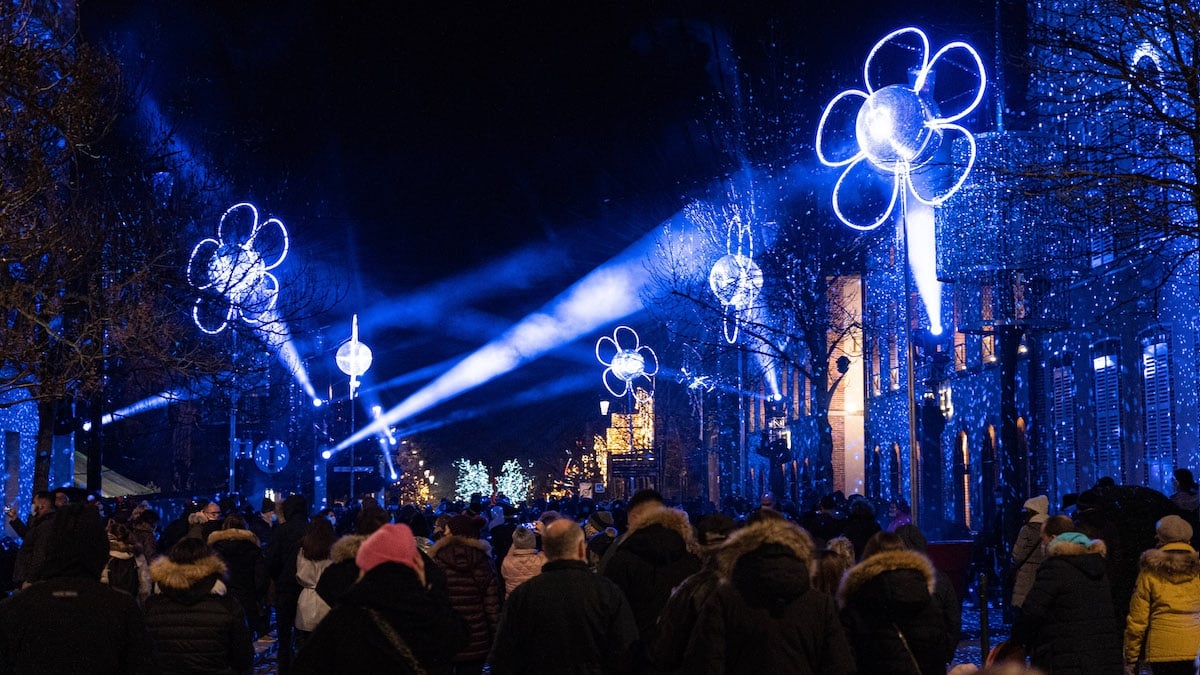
(44, 447)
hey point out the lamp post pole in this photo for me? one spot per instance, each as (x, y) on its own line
(353, 358)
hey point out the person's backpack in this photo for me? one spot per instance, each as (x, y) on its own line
(121, 574)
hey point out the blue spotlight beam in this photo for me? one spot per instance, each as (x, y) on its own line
(605, 295)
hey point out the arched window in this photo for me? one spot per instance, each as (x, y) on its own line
(962, 475)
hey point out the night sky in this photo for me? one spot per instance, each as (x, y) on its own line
(409, 144)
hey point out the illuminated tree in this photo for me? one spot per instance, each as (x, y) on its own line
(472, 479)
(514, 481)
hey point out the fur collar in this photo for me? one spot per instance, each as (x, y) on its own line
(347, 547)
(1177, 563)
(887, 561)
(672, 519)
(232, 534)
(1060, 547)
(180, 577)
(751, 537)
(456, 540)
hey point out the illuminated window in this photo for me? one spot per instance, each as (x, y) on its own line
(1107, 395)
(960, 337)
(988, 344)
(1156, 399)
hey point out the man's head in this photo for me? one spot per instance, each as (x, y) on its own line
(60, 499)
(43, 502)
(212, 511)
(563, 540)
(643, 502)
(1056, 525)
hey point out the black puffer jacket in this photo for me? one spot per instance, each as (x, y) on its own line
(192, 629)
(1067, 623)
(473, 587)
(243, 556)
(653, 559)
(890, 616)
(764, 617)
(350, 640)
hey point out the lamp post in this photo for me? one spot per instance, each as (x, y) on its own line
(624, 365)
(354, 359)
(898, 132)
(232, 272)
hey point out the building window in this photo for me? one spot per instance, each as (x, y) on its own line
(988, 351)
(960, 337)
(1062, 426)
(1156, 399)
(1107, 393)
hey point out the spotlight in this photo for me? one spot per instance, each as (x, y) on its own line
(327, 454)
(395, 476)
(317, 403)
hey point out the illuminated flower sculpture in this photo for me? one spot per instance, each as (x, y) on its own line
(897, 126)
(234, 269)
(735, 278)
(626, 364)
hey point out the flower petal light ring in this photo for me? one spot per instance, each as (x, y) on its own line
(624, 364)
(897, 129)
(237, 270)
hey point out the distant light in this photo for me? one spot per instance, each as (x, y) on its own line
(327, 454)
(317, 403)
(87, 426)
(936, 329)
(395, 476)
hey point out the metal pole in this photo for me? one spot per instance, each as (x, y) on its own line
(353, 464)
(233, 413)
(914, 448)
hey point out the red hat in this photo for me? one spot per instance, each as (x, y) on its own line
(390, 543)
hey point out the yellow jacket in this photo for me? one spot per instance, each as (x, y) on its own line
(1164, 613)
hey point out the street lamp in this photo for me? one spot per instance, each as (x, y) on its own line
(898, 130)
(624, 365)
(353, 358)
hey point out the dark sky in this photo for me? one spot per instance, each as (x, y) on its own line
(406, 143)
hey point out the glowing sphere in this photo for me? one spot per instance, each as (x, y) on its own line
(326, 454)
(628, 365)
(736, 280)
(235, 272)
(894, 128)
(353, 358)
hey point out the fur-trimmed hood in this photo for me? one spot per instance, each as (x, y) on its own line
(750, 538)
(1175, 563)
(188, 583)
(233, 534)
(869, 569)
(1061, 547)
(672, 519)
(661, 537)
(346, 548)
(460, 553)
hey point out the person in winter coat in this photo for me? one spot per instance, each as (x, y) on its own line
(69, 622)
(127, 570)
(281, 568)
(888, 611)
(679, 616)
(1028, 551)
(653, 558)
(241, 552)
(388, 621)
(343, 571)
(764, 617)
(473, 586)
(523, 561)
(1067, 623)
(576, 621)
(192, 629)
(944, 595)
(1164, 613)
(312, 560)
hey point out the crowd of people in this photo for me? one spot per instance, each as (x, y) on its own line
(581, 587)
